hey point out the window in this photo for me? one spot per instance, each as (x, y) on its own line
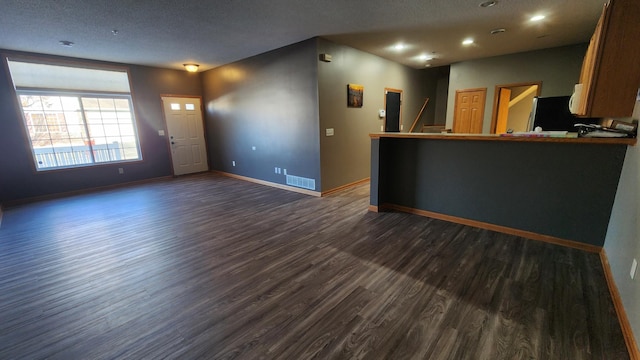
(71, 128)
(74, 130)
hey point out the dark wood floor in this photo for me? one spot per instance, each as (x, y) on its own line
(212, 267)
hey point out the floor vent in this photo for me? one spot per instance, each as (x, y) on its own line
(302, 182)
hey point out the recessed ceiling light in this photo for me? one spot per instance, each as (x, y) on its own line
(488, 4)
(66, 43)
(537, 18)
(468, 41)
(498, 31)
(399, 47)
(425, 57)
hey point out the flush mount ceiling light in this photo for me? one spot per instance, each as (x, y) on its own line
(537, 18)
(66, 43)
(191, 67)
(497, 31)
(488, 4)
(467, 42)
(425, 57)
(399, 47)
(114, 32)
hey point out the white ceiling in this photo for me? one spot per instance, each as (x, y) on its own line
(168, 33)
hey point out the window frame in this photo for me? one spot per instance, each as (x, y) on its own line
(17, 90)
(82, 112)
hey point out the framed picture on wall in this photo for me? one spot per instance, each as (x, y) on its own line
(354, 95)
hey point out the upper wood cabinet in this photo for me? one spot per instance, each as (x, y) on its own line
(610, 75)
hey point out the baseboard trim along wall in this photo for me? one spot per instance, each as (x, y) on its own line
(344, 187)
(625, 325)
(28, 200)
(269, 183)
(498, 228)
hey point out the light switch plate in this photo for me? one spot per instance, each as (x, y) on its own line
(161, 132)
(329, 132)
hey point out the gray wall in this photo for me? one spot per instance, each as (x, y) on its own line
(269, 102)
(622, 243)
(533, 186)
(557, 68)
(345, 157)
(19, 179)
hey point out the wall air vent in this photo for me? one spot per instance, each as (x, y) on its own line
(301, 182)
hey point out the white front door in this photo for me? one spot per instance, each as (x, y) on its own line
(186, 134)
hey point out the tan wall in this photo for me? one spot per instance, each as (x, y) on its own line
(345, 157)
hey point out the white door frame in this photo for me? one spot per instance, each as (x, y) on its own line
(169, 136)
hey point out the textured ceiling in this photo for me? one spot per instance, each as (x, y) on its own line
(168, 33)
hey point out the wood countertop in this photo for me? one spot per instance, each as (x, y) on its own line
(494, 137)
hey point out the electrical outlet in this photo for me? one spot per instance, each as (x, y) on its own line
(120, 171)
(634, 266)
(233, 163)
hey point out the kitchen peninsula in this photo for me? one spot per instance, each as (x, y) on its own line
(559, 190)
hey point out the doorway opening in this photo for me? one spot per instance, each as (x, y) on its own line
(393, 110)
(512, 106)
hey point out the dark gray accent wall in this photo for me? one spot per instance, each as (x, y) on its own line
(557, 68)
(345, 156)
(269, 102)
(18, 178)
(556, 189)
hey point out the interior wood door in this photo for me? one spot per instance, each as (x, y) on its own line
(186, 134)
(503, 110)
(469, 111)
(393, 101)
